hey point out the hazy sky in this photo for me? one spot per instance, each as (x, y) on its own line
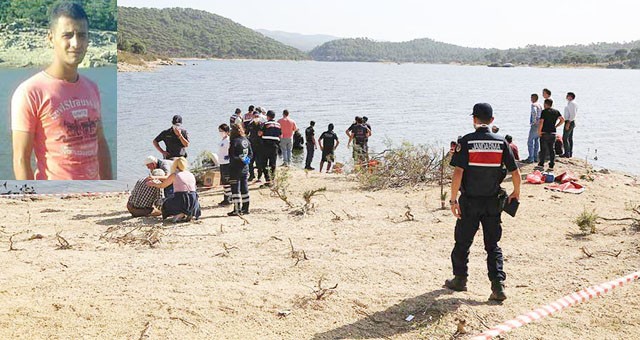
(493, 23)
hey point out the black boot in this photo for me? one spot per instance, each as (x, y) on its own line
(236, 210)
(497, 291)
(245, 208)
(225, 202)
(458, 283)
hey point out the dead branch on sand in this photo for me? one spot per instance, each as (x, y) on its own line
(145, 332)
(226, 252)
(336, 217)
(587, 253)
(62, 242)
(320, 292)
(145, 235)
(298, 255)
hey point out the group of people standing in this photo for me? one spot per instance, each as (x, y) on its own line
(248, 151)
(544, 121)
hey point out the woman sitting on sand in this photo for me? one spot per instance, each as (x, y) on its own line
(183, 205)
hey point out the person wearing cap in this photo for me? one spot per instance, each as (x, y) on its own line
(269, 133)
(481, 160)
(56, 114)
(143, 198)
(153, 163)
(175, 138)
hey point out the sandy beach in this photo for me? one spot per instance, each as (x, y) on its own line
(228, 278)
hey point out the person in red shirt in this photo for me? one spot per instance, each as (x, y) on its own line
(288, 127)
(513, 146)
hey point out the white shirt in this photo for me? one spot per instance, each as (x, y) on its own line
(223, 151)
(571, 110)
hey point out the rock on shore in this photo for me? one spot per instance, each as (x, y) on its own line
(22, 46)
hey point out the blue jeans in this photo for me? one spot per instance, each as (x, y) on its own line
(533, 142)
(286, 146)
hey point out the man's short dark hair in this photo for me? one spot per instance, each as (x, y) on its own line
(251, 108)
(312, 123)
(548, 102)
(238, 111)
(271, 114)
(571, 94)
(358, 120)
(365, 119)
(535, 96)
(331, 127)
(224, 127)
(285, 113)
(68, 9)
(547, 91)
(508, 138)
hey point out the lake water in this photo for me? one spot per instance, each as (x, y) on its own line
(414, 102)
(106, 78)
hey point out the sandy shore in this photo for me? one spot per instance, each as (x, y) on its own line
(187, 286)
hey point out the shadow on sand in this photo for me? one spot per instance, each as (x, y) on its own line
(427, 309)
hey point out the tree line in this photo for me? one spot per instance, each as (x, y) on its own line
(103, 14)
(184, 32)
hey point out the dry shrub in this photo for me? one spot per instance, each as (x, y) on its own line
(586, 221)
(406, 165)
(143, 235)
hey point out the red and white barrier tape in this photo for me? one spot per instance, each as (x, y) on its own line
(72, 194)
(558, 305)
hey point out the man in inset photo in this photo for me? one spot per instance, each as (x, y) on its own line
(56, 114)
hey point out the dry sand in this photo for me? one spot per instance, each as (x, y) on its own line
(189, 287)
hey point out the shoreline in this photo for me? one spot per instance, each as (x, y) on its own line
(87, 263)
(150, 66)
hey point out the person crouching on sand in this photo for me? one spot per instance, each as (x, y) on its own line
(183, 205)
(143, 197)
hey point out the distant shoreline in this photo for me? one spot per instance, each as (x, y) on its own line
(151, 65)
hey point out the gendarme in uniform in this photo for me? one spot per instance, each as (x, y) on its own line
(484, 158)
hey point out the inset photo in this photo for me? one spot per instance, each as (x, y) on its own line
(58, 90)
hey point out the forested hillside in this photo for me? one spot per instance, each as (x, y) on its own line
(102, 14)
(184, 32)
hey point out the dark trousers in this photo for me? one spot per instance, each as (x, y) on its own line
(269, 157)
(547, 141)
(310, 151)
(239, 189)
(168, 191)
(567, 139)
(256, 160)
(474, 212)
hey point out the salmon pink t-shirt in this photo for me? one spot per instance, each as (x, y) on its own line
(64, 118)
(288, 127)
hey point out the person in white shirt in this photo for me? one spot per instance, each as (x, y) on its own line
(533, 142)
(223, 160)
(570, 112)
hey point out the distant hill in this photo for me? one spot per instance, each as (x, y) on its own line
(184, 32)
(303, 42)
(619, 55)
(419, 50)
